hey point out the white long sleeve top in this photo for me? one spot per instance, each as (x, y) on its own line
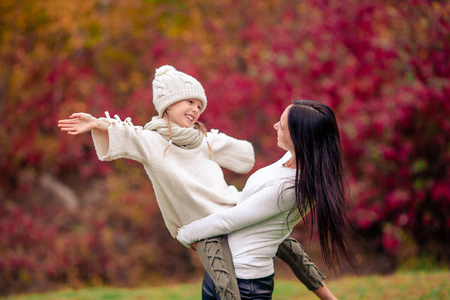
(188, 183)
(256, 225)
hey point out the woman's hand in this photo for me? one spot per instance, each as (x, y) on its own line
(79, 123)
(324, 293)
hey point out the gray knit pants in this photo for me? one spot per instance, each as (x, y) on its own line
(215, 255)
(292, 253)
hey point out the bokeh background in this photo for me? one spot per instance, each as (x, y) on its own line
(67, 219)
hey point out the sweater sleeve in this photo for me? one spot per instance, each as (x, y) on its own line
(233, 154)
(261, 206)
(123, 140)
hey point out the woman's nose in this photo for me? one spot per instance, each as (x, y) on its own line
(275, 126)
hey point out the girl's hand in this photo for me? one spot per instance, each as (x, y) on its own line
(194, 246)
(79, 123)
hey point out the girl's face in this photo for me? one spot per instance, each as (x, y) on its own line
(284, 137)
(185, 112)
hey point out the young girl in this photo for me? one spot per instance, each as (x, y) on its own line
(184, 164)
(277, 197)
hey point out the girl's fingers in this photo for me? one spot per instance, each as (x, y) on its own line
(67, 129)
(75, 115)
(65, 121)
(70, 131)
(69, 125)
(66, 125)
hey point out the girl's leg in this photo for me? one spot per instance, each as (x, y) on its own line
(215, 255)
(292, 253)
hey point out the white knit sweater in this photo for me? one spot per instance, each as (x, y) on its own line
(188, 183)
(256, 225)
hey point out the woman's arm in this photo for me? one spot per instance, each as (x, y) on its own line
(260, 206)
(79, 123)
(324, 293)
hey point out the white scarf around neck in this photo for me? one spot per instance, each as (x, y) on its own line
(185, 137)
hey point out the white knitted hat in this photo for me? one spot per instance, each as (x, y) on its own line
(171, 86)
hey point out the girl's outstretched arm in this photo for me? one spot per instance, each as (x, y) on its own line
(79, 123)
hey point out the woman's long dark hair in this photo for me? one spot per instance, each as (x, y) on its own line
(319, 179)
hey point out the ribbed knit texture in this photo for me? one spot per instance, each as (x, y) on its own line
(188, 183)
(171, 86)
(185, 137)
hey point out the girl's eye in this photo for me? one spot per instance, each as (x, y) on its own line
(190, 101)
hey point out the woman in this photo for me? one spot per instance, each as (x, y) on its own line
(277, 197)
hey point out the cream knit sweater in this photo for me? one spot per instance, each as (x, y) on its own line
(188, 183)
(257, 225)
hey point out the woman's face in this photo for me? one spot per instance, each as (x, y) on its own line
(284, 137)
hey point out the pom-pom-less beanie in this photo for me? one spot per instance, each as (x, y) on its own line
(171, 86)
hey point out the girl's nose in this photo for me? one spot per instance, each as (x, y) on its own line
(275, 125)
